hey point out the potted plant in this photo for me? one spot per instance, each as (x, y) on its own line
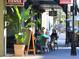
(21, 35)
(15, 18)
(19, 46)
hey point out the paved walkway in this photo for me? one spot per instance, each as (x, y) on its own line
(61, 53)
(57, 54)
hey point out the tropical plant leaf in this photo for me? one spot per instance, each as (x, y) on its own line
(17, 12)
(30, 24)
(25, 12)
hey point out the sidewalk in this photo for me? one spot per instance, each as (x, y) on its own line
(57, 54)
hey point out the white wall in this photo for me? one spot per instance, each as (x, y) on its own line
(46, 19)
(78, 3)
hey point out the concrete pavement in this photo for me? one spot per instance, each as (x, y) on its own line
(57, 54)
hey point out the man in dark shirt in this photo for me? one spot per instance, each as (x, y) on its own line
(54, 37)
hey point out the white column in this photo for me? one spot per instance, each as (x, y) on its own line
(5, 37)
(45, 20)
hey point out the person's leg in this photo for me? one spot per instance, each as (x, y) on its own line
(46, 48)
(38, 46)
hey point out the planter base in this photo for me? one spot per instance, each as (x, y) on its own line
(19, 50)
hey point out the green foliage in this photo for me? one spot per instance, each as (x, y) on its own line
(26, 13)
(38, 23)
(15, 19)
(20, 38)
(24, 16)
(17, 12)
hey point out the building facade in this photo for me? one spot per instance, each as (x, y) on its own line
(2, 47)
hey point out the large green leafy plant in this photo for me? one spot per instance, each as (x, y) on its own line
(24, 16)
(16, 20)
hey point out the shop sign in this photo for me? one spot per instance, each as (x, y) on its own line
(14, 2)
(66, 1)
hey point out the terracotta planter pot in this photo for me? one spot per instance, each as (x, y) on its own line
(19, 50)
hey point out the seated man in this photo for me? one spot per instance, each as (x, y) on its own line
(41, 42)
